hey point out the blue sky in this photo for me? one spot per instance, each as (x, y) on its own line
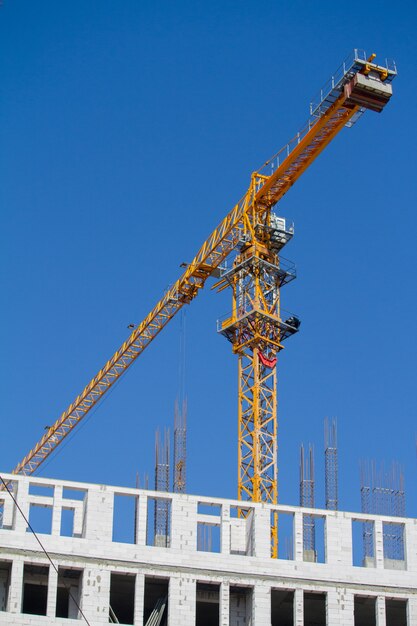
(127, 131)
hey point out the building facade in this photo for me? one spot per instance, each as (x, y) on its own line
(211, 567)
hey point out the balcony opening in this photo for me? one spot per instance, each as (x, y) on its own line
(155, 604)
(35, 589)
(282, 607)
(207, 605)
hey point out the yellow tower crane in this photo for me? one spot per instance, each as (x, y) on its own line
(255, 327)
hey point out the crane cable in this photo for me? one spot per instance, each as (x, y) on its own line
(45, 551)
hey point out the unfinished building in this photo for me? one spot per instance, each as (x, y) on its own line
(215, 567)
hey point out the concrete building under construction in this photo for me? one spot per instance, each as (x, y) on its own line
(136, 578)
(189, 560)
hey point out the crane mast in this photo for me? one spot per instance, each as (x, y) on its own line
(256, 326)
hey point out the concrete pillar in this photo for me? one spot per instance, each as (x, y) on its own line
(52, 588)
(412, 611)
(57, 511)
(139, 598)
(182, 601)
(379, 544)
(99, 522)
(262, 532)
(380, 611)
(16, 586)
(298, 607)
(96, 595)
(23, 499)
(339, 540)
(184, 525)
(339, 607)
(298, 537)
(410, 545)
(225, 530)
(141, 520)
(261, 605)
(224, 604)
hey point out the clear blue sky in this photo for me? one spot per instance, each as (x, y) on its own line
(127, 131)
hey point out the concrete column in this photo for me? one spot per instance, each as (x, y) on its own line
(52, 587)
(298, 537)
(339, 540)
(224, 603)
(23, 500)
(182, 601)
(141, 522)
(410, 545)
(261, 605)
(379, 544)
(412, 611)
(16, 586)
(298, 607)
(96, 592)
(262, 533)
(339, 607)
(380, 611)
(99, 521)
(225, 530)
(184, 525)
(57, 511)
(139, 598)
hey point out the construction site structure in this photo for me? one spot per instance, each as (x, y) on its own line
(84, 560)
(107, 558)
(331, 477)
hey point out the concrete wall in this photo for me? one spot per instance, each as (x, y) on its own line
(243, 558)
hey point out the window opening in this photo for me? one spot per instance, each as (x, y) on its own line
(240, 606)
(282, 607)
(314, 609)
(396, 612)
(68, 593)
(40, 518)
(155, 604)
(365, 611)
(5, 573)
(122, 597)
(207, 604)
(35, 589)
(124, 518)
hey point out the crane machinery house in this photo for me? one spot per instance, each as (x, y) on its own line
(191, 560)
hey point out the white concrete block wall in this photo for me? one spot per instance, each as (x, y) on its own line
(380, 611)
(95, 553)
(299, 607)
(182, 600)
(261, 605)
